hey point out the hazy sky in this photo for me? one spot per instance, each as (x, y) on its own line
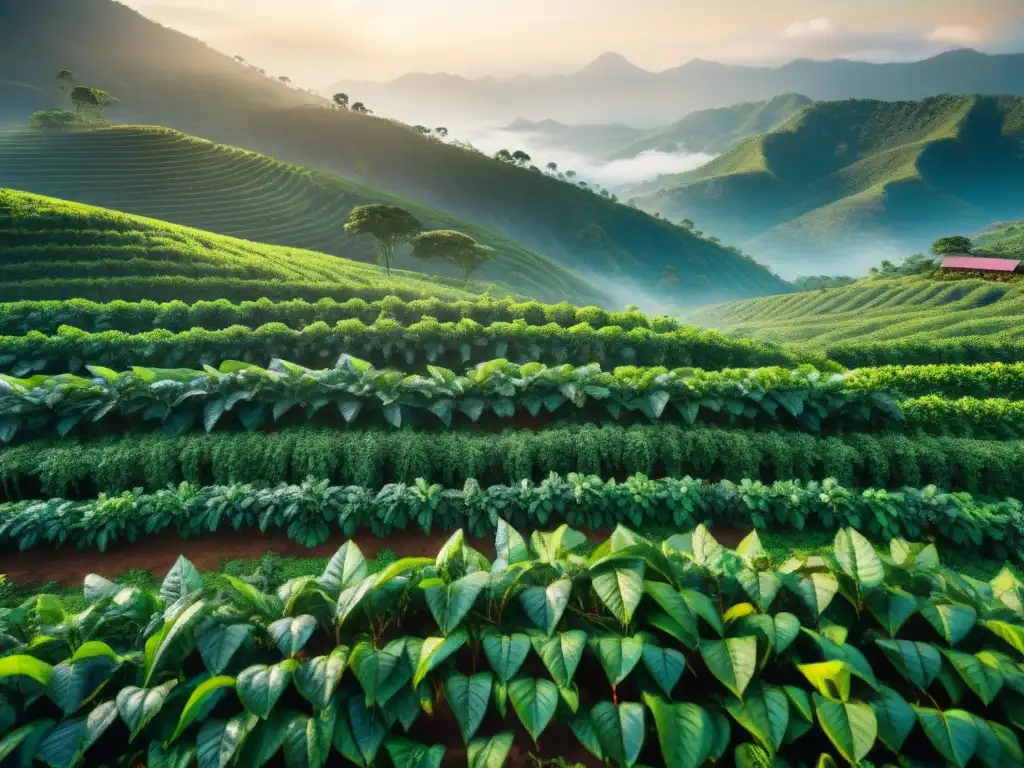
(319, 41)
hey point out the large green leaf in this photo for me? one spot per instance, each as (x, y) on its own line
(534, 701)
(265, 740)
(892, 607)
(984, 680)
(26, 666)
(291, 634)
(953, 733)
(752, 756)
(490, 753)
(1011, 633)
(851, 726)
(203, 699)
(449, 603)
(506, 653)
(666, 665)
(779, 631)
(382, 672)
(545, 606)
(78, 680)
(919, 663)
(351, 598)
(434, 651)
(405, 753)
(220, 742)
(858, 559)
(620, 588)
(733, 661)
(359, 732)
(317, 679)
(951, 620)
(181, 581)
(260, 687)
(138, 706)
(218, 644)
(307, 741)
(764, 712)
(895, 719)
(998, 745)
(24, 740)
(830, 678)
(66, 744)
(561, 654)
(345, 569)
(509, 546)
(761, 586)
(468, 698)
(173, 641)
(175, 756)
(620, 730)
(551, 547)
(685, 732)
(618, 655)
(702, 605)
(816, 591)
(672, 602)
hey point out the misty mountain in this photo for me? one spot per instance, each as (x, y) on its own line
(594, 140)
(611, 89)
(842, 184)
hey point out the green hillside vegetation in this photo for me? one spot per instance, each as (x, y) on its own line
(716, 130)
(188, 87)
(849, 178)
(1005, 240)
(163, 174)
(884, 321)
(54, 249)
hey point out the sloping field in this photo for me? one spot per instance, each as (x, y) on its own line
(170, 176)
(53, 249)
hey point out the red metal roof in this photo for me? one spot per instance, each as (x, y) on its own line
(985, 265)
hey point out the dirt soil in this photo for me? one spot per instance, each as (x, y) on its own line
(68, 566)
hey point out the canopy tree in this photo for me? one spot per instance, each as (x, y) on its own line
(454, 247)
(954, 244)
(389, 225)
(91, 100)
(340, 100)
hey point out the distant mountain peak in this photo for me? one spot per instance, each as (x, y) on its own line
(611, 64)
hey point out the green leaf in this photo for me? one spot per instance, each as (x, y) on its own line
(405, 753)
(762, 587)
(138, 706)
(173, 641)
(895, 719)
(666, 665)
(586, 734)
(561, 654)
(950, 620)
(752, 756)
(66, 743)
(858, 559)
(733, 661)
(675, 606)
(449, 603)
(260, 687)
(535, 702)
(317, 679)
(24, 739)
(78, 680)
(685, 732)
(892, 607)
(382, 672)
(919, 663)
(265, 741)
(764, 712)
(620, 589)
(305, 742)
(182, 580)
(291, 634)
(701, 605)
(220, 742)
(851, 726)
(509, 545)
(359, 733)
(506, 653)
(618, 655)
(830, 678)
(352, 597)
(26, 666)
(219, 643)
(1011, 633)
(490, 753)
(177, 756)
(545, 606)
(346, 568)
(953, 733)
(620, 730)
(816, 591)
(997, 745)
(985, 681)
(468, 697)
(434, 651)
(202, 700)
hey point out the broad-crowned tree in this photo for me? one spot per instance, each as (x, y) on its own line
(389, 225)
(455, 247)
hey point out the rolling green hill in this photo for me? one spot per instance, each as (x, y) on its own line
(149, 67)
(716, 130)
(167, 175)
(854, 179)
(55, 249)
(1005, 239)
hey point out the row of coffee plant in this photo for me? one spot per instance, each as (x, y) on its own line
(995, 418)
(673, 655)
(929, 351)
(20, 317)
(310, 512)
(386, 342)
(74, 468)
(984, 380)
(355, 391)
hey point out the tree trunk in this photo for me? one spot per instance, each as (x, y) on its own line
(469, 277)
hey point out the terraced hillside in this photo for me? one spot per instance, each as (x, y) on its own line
(908, 320)
(717, 130)
(163, 174)
(1005, 239)
(54, 249)
(851, 179)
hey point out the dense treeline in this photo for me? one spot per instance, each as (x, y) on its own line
(925, 352)
(71, 468)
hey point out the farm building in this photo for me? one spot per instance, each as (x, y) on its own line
(982, 264)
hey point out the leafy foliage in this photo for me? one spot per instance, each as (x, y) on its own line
(846, 682)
